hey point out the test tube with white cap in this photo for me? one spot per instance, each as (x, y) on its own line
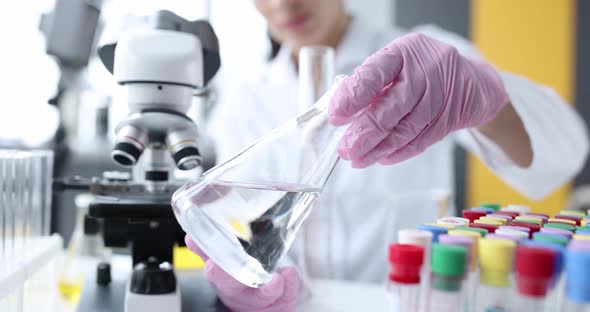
(424, 239)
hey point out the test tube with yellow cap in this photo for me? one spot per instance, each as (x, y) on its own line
(496, 261)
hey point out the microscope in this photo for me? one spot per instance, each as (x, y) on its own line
(161, 68)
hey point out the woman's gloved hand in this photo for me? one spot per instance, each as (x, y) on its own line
(410, 95)
(279, 295)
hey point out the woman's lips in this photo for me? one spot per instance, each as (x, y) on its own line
(296, 22)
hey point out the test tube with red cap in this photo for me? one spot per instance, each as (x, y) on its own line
(534, 273)
(404, 278)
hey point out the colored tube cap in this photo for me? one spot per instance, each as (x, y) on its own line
(532, 227)
(495, 235)
(576, 219)
(486, 226)
(553, 238)
(493, 206)
(481, 231)
(577, 268)
(529, 219)
(534, 270)
(493, 220)
(561, 221)
(485, 220)
(512, 214)
(570, 212)
(406, 261)
(472, 215)
(560, 256)
(568, 227)
(517, 235)
(486, 210)
(470, 243)
(448, 260)
(563, 232)
(581, 237)
(579, 245)
(518, 208)
(515, 228)
(415, 237)
(500, 216)
(582, 231)
(538, 215)
(453, 221)
(435, 230)
(446, 226)
(496, 260)
(474, 234)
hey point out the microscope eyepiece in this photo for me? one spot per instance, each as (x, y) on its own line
(129, 146)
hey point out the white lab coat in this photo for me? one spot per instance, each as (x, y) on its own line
(349, 225)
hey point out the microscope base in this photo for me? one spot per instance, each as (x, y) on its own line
(196, 294)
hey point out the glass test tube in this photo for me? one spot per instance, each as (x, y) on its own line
(3, 224)
(9, 218)
(19, 207)
(446, 292)
(36, 193)
(535, 269)
(470, 281)
(424, 239)
(404, 278)
(316, 74)
(577, 268)
(46, 190)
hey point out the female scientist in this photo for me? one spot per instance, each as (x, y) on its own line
(407, 104)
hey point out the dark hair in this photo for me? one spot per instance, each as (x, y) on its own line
(275, 46)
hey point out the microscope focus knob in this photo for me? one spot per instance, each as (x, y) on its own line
(103, 274)
(153, 277)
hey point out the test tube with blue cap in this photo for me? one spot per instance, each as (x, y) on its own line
(577, 268)
(435, 230)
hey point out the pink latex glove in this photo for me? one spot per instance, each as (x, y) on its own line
(279, 295)
(410, 95)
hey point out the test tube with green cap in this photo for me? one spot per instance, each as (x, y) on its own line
(568, 227)
(482, 232)
(493, 206)
(496, 261)
(448, 267)
(552, 238)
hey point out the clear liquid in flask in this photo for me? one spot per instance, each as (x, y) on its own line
(247, 242)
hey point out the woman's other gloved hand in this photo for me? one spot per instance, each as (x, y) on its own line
(279, 295)
(410, 95)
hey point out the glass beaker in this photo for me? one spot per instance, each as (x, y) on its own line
(244, 213)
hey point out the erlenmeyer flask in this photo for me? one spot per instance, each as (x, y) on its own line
(244, 213)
